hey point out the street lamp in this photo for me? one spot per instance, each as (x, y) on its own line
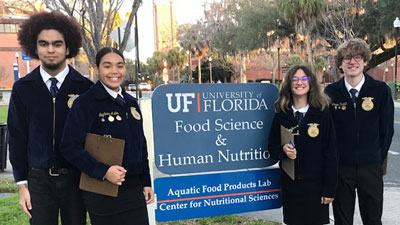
(279, 62)
(396, 25)
(210, 67)
(385, 73)
(17, 56)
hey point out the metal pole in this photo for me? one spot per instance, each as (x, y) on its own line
(210, 67)
(395, 67)
(17, 56)
(279, 64)
(28, 67)
(119, 37)
(138, 93)
(190, 67)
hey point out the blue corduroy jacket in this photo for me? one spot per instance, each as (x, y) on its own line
(31, 117)
(364, 131)
(97, 112)
(316, 157)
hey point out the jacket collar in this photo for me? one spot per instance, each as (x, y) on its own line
(101, 93)
(311, 111)
(72, 75)
(369, 82)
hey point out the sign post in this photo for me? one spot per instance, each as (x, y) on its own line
(27, 59)
(16, 72)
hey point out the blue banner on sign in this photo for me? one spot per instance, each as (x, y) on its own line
(209, 195)
(212, 127)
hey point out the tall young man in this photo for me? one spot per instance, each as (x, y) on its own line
(40, 101)
(363, 113)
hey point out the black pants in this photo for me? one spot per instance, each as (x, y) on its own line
(128, 208)
(51, 195)
(367, 180)
(132, 217)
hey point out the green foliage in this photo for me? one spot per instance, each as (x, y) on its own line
(193, 37)
(294, 60)
(156, 62)
(247, 25)
(7, 186)
(377, 21)
(221, 70)
(366, 19)
(220, 220)
(320, 63)
(3, 114)
(301, 13)
(10, 211)
(130, 71)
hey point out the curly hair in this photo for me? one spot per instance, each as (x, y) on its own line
(352, 47)
(316, 97)
(67, 26)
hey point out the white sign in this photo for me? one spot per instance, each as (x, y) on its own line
(131, 40)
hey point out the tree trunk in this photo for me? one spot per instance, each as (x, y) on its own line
(179, 75)
(199, 68)
(309, 51)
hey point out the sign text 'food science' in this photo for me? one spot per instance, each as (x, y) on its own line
(218, 126)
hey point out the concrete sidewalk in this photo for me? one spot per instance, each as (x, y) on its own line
(8, 171)
(391, 209)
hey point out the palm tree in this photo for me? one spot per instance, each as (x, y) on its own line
(303, 15)
(177, 58)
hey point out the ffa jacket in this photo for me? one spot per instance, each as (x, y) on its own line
(315, 144)
(35, 123)
(364, 129)
(97, 112)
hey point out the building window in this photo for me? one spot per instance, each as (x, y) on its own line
(9, 28)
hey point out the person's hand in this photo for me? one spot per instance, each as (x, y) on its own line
(326, 201)
(116, 174)
(289, 151)
(25, 199)
(148, 194)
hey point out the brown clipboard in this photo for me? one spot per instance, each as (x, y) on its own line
(286, 163)
(109, 151)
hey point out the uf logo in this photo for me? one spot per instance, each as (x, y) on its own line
(178, 97)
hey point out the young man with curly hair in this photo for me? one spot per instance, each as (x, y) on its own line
(39, 104)
(363, 113)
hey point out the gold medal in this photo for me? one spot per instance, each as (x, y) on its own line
(367, 103)
(135, 113)
(71, 100)
(118, 117)
(343, 107)
(110, 118)
(313, 130)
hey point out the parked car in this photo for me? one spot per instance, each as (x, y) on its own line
(132, 87)
(143, 86)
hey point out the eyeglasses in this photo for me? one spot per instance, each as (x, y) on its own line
(303, 79)
(357, 58)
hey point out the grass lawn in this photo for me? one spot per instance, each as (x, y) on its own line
(3, 114)
(11, 213)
